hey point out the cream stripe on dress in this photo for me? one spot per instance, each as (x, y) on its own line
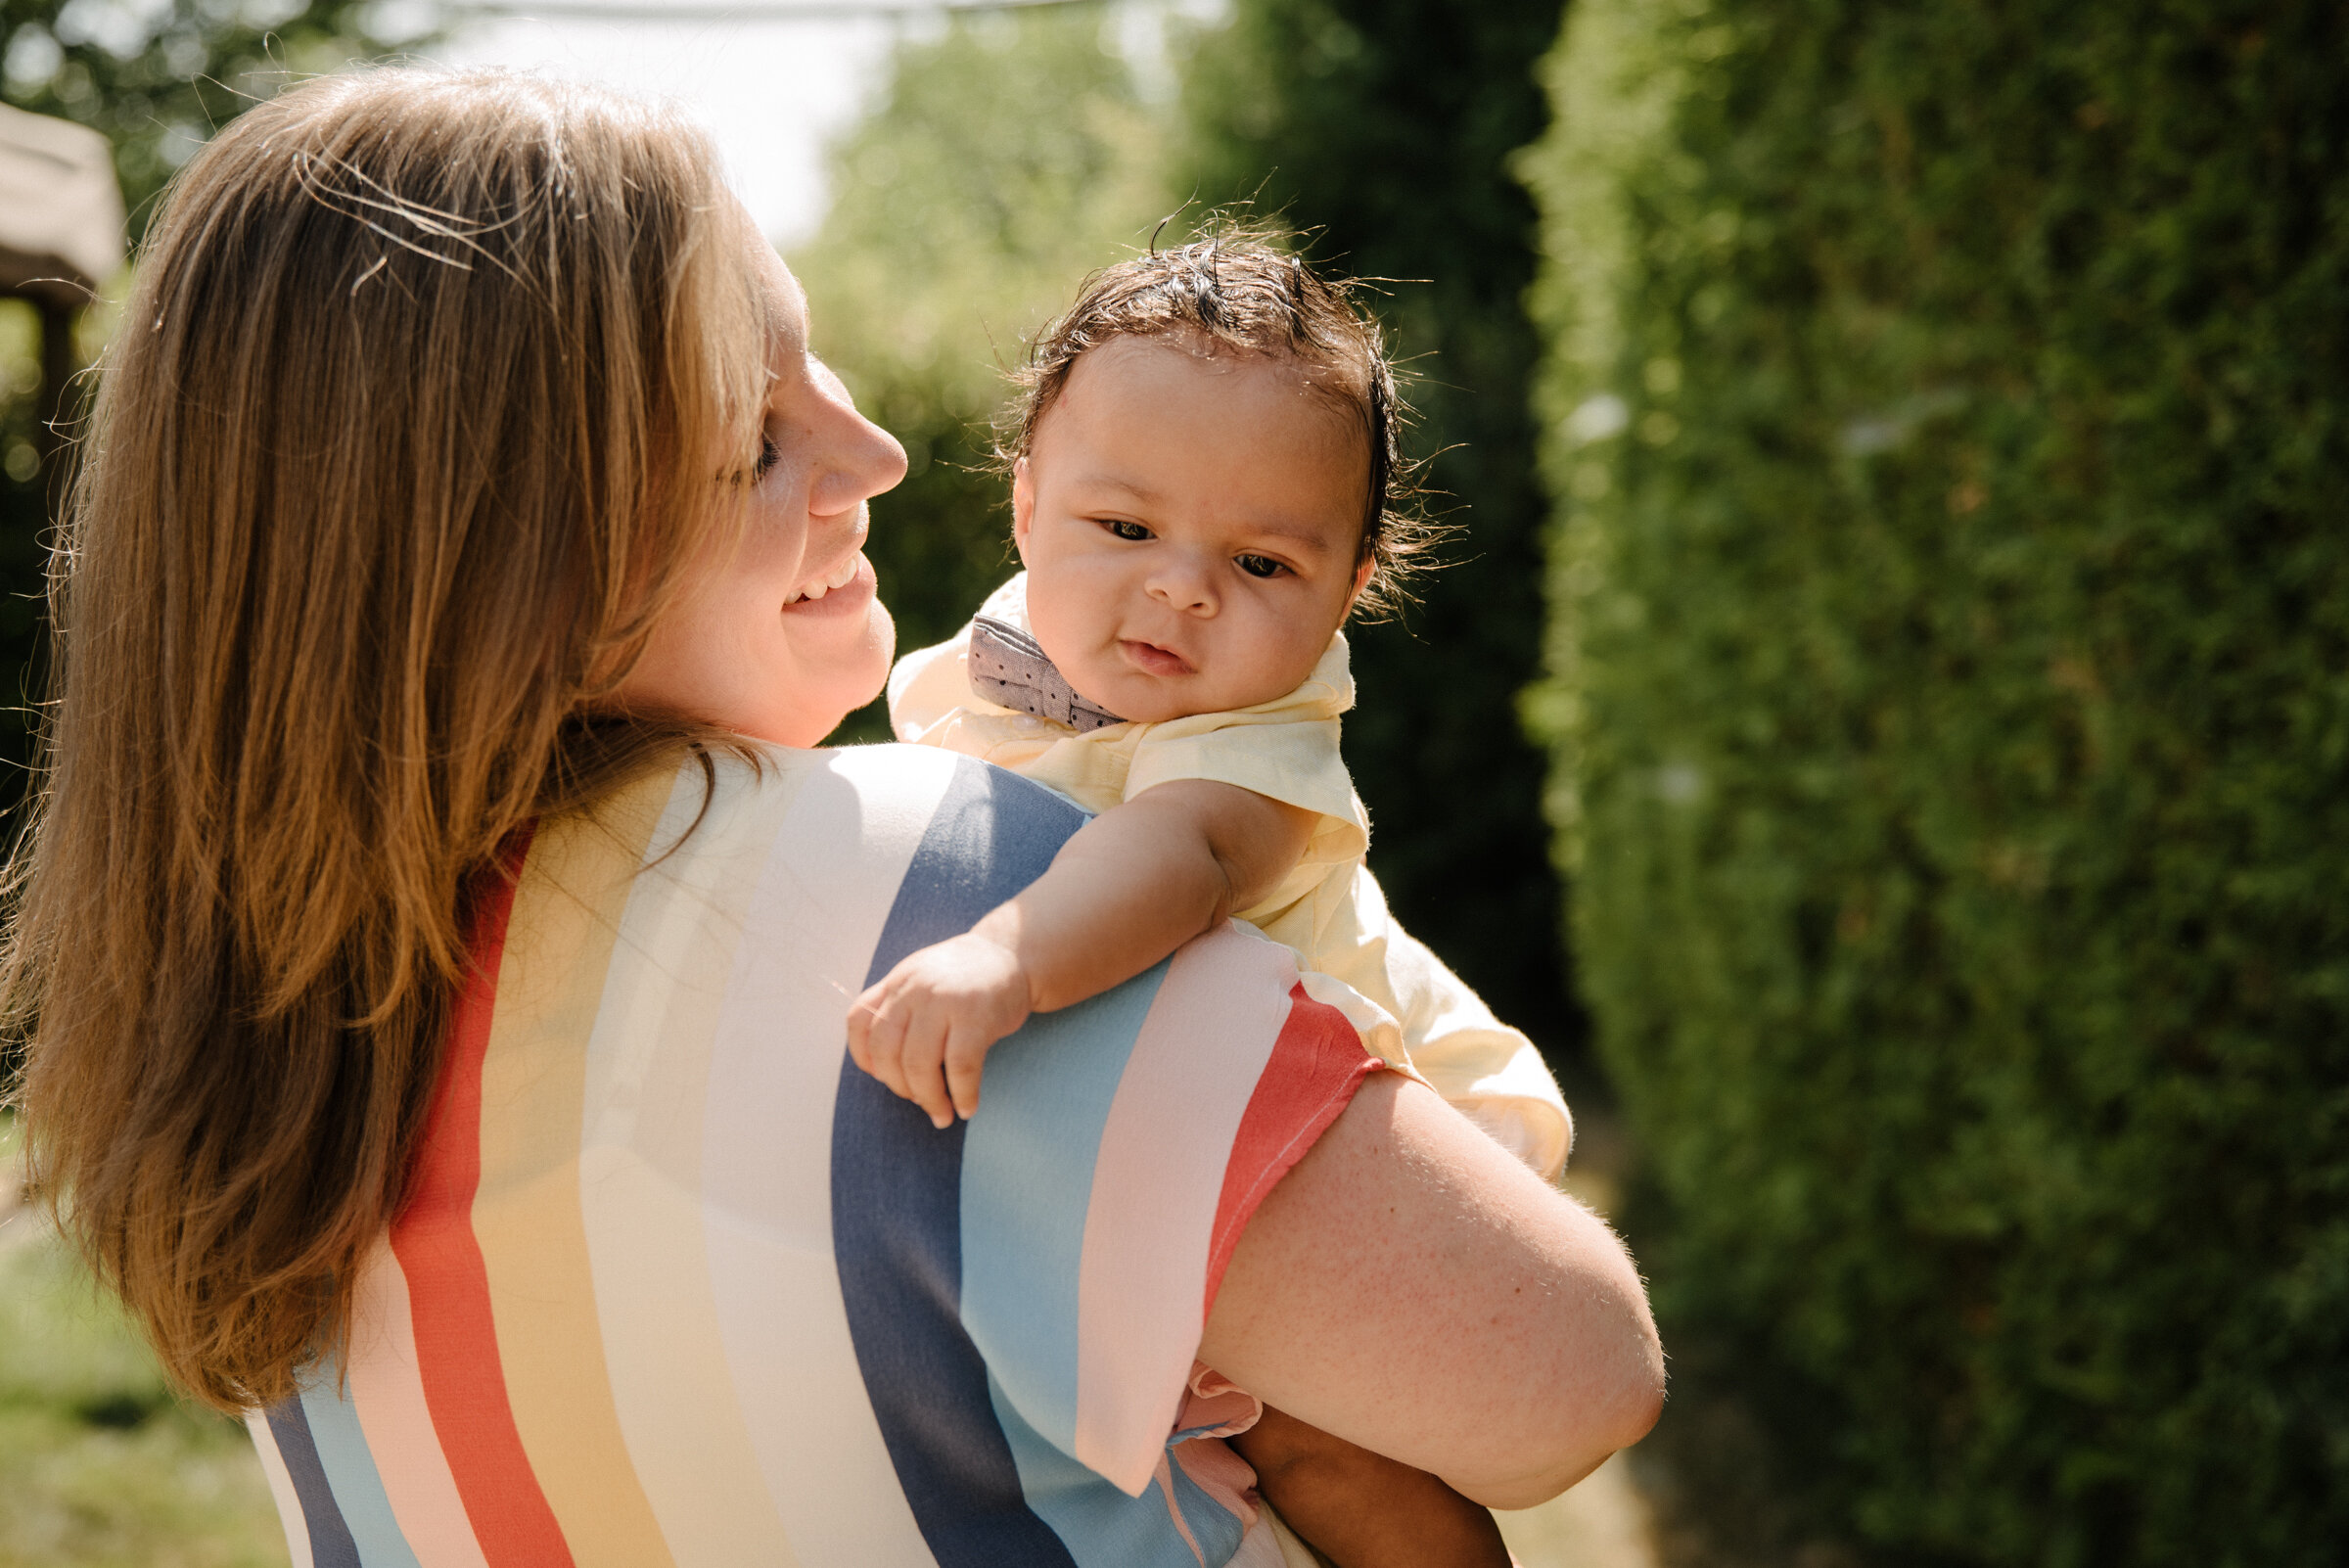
(640, 1169)
(1142, 1279)
(825, 891)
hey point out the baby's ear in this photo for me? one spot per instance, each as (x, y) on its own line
(1022, 506)
(1362, 580)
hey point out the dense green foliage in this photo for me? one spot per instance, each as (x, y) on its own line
(1950, 412)
(1012, 156)
(1386, 127)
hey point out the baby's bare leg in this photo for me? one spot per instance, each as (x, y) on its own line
(1362, 1510)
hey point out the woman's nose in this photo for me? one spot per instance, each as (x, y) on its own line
(859, 460)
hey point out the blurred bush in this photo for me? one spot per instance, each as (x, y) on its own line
(1013, 154)
(1386, 127)
(1948, 415)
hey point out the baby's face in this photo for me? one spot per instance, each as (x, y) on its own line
(1191, 527)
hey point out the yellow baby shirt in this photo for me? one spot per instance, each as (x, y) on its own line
(1329, 912)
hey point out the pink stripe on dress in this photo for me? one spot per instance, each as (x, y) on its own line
(1152, 1213)
(387, 1386)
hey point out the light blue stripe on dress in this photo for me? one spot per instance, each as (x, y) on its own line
(359, 1489)
(1216, 1528)
(1027, 1185)
(1101, 1526)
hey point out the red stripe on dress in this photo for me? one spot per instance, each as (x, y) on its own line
(448, 1285)
(1315, 1066)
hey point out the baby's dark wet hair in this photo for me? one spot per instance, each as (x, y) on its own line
(1242, 287)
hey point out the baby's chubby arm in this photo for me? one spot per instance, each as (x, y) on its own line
(1127, 889)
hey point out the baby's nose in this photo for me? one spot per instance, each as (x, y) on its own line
(1184, 587)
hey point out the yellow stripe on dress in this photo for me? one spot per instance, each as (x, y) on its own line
(525, 1215)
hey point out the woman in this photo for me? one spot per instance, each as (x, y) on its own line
(435, 936)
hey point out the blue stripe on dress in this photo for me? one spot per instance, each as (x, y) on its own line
(350, 1468)
(896, 1204)
(330, 1545)
(1027, 1167)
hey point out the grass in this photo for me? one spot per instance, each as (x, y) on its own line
(100, 1465)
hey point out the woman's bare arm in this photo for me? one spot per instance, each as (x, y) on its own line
(1411, 1288)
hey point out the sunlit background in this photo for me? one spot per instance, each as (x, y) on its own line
(1881, 726)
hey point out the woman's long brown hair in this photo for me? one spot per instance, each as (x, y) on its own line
(427, 388)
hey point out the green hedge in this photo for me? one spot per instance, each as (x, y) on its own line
(1950, 421)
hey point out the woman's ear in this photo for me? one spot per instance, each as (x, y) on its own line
(1022, 506)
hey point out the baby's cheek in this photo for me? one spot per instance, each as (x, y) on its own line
(1060, 626)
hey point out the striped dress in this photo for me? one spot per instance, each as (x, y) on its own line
(679, 1284)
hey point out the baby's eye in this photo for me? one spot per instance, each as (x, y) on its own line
(1131, 533)
(1259, 566)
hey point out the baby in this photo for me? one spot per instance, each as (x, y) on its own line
(1201, 467)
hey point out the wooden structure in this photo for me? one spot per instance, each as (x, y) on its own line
(61, 238)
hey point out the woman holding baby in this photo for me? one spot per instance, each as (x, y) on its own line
(435, 937)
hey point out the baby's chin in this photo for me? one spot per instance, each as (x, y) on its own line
(1157, 699)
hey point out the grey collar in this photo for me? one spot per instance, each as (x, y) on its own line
(1009, 668)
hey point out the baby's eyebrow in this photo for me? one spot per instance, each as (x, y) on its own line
(1113, 482)
(1303, 534)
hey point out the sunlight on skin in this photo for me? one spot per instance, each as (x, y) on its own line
(785, 634)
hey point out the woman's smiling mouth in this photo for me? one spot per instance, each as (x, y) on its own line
(1152, 660)
(844, 589)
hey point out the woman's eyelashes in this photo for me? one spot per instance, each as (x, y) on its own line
(770, 454)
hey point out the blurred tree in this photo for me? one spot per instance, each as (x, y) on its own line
(1012, 153)
(1950, 424)
(1385, 128)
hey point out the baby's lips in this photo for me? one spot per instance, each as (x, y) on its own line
(1156, 660)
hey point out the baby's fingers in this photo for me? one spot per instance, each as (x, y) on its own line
(966, 1063)
(922, 1065)
(864, 1016)
(884, 1054)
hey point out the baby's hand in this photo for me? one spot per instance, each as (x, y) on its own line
(924, 1031)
